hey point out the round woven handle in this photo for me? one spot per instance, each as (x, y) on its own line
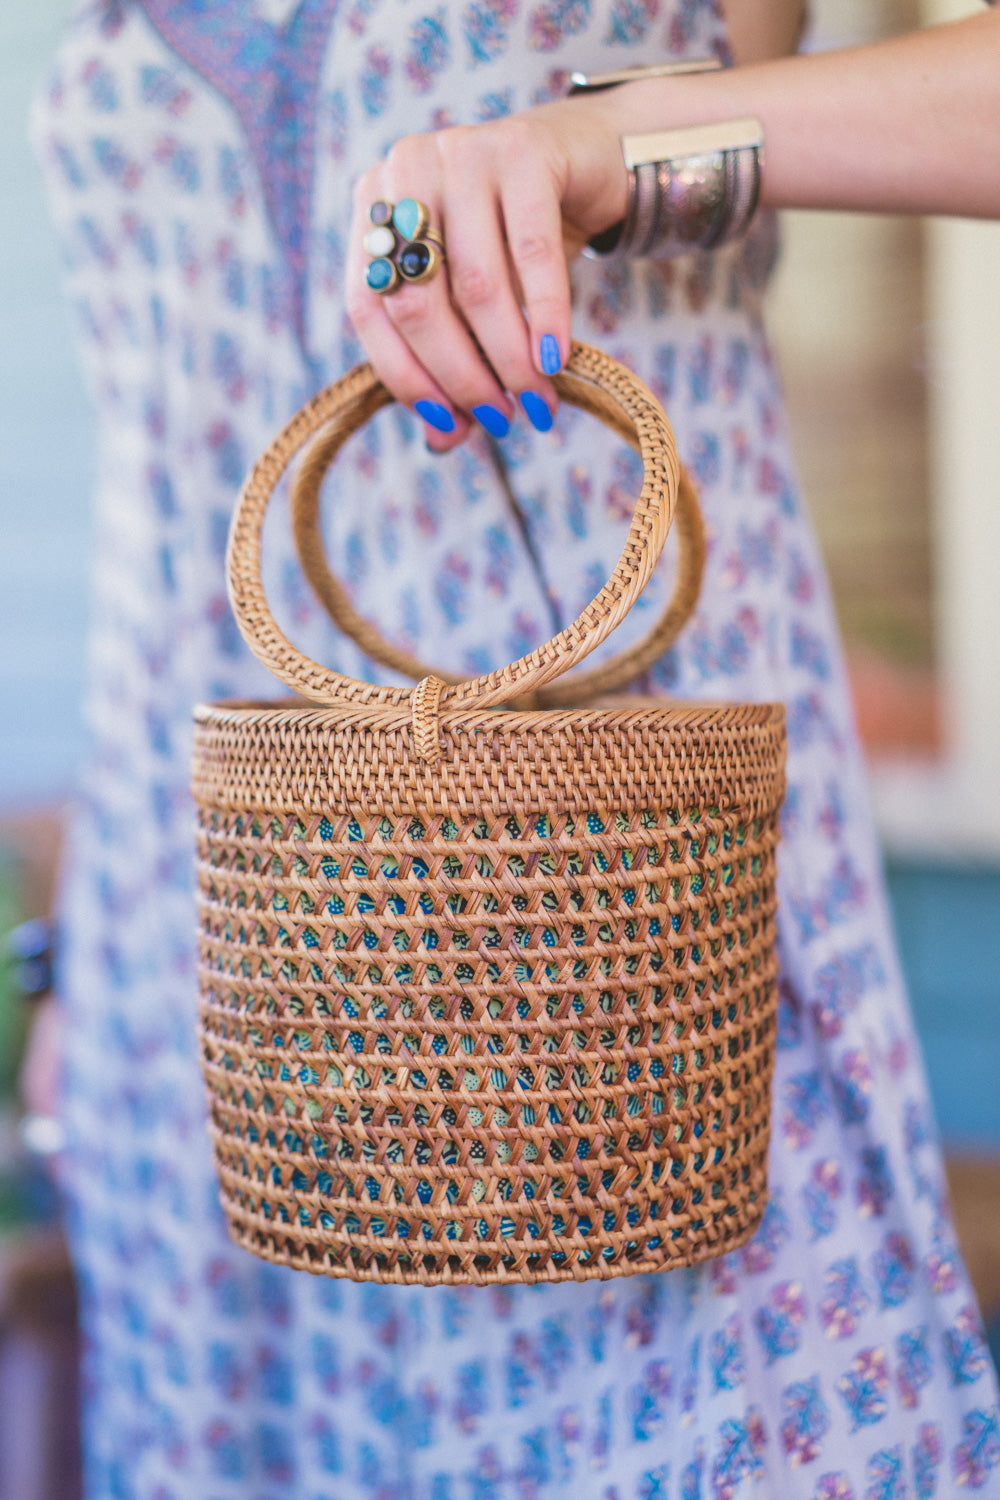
(591, 380)
(581, 686)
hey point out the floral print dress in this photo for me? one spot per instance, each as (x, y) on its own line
(200, 156)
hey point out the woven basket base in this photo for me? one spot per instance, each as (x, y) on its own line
(528, 1041)
(361, 1264)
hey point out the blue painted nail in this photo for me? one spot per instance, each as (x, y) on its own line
(536, 411)
(435, 415)
(548, 350)
(493, 419)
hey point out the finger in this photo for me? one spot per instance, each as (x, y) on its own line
(400, 371)
(425, 318)
(531, 211)
(480, 270)
(424, 315)
(437, 337)
(394, 362)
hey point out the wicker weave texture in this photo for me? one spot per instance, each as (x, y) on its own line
(472, 1037)
(488, 994)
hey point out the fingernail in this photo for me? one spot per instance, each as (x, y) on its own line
(548, 351)
(536, 411)
(492, 419)
(435, 415)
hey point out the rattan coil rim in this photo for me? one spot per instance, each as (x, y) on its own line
(590, 379)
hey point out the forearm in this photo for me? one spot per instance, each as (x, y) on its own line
(908, 125)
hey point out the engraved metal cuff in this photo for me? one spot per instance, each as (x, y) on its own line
(692, 188)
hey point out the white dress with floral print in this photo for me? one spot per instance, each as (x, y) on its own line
(200, 155)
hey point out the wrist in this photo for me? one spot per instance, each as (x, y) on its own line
(689, 187)
(665, 103)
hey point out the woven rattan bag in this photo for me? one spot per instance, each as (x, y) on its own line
(488, 992)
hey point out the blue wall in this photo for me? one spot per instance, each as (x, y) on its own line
(948, 923)
(45, 450)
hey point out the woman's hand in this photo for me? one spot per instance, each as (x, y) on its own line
(515, 200)
(910, 125)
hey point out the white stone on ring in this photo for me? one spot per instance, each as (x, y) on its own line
(380, 240)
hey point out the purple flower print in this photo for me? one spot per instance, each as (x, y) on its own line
(846, 1299)
(805, 1419)
(863, 1388)
(978, 1455)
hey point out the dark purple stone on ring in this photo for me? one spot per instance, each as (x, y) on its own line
(380, 211)
(414, 259)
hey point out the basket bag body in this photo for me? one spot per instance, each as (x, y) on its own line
(487, 993)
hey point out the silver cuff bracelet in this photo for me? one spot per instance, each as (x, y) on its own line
(693, 188)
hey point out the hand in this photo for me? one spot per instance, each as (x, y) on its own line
(910, 125)
(515, 199)
(41, 1068)
(41, 1080)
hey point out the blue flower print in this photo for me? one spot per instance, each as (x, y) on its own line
(226, 1452)
(647, 1401)
(915, 1367)
(845, 1300)
(630, 20)
(863, 1388)
(739, 1454)
(978, 1455)
(373, 81)
(643, 1312)
(804, 1104)
(653, 1484)
(485, 24)
(819, 1197)
(834, 1487)
(842, 983)
(805, 1418)
(851, 1086)
(775, 1230)
(886, 1475)
(894, 1266)
(327, 1446)
(555, 19)
(778, 1322)
(452, 587)
(495, 106)
(429, 51)
(102, 87)
(471, 1401)
(875, 1187)
(116, 165)
(927, 1454)
(725, 1356)
(965, 1349)
(162, 87)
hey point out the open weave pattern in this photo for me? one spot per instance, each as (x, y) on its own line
(495, 1022)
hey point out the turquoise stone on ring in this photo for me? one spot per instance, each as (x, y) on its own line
(410, 218)
(381, 275)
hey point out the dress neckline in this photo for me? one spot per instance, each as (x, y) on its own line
(269, 71)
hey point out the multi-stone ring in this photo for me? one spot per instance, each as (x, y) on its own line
(401, 244)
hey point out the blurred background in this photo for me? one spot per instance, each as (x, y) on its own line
(888, 336)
